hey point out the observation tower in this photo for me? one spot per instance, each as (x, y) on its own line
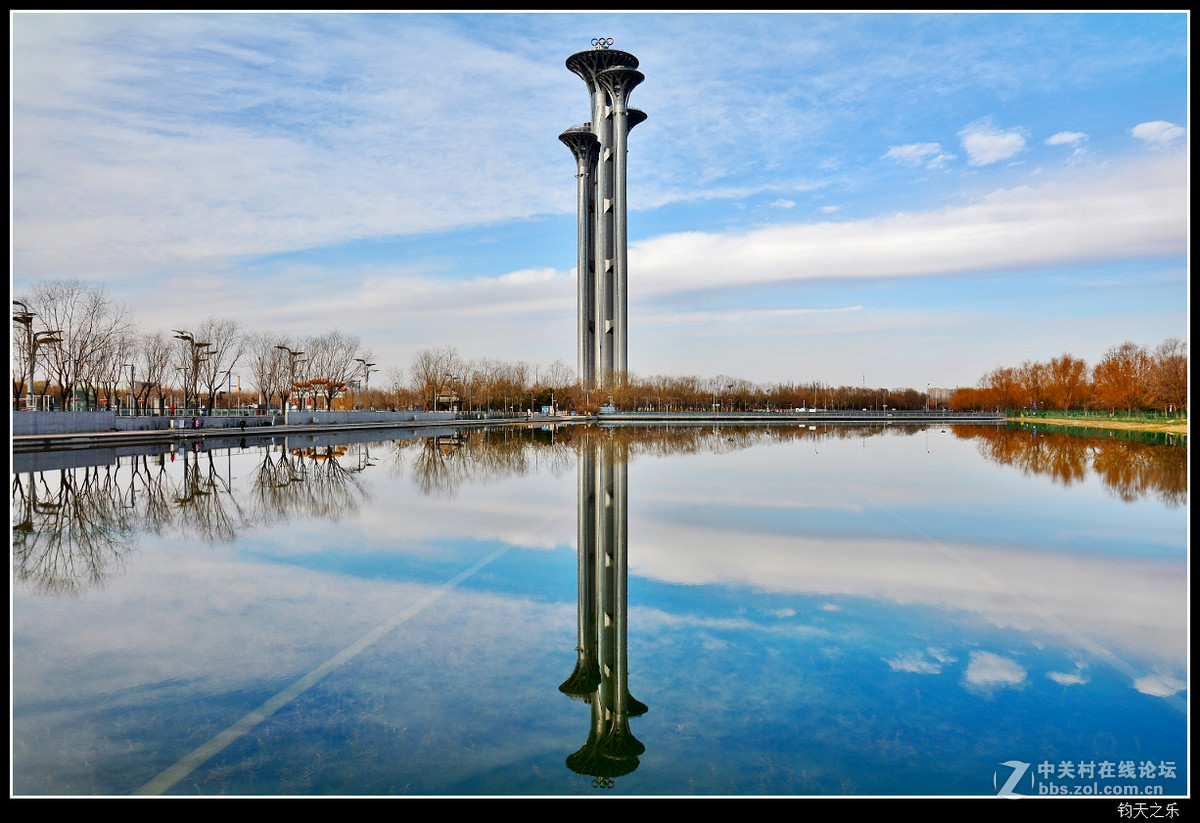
(600, 147)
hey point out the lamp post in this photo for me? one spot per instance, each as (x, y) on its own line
(292, 360)
(366, 377)
(40, 338)
(131, 400)
(453, 379)
(198, 354)
(34, 340)
(25, 317)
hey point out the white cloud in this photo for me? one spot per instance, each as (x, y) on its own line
(941, 161)
(1066, 138)
(1110, 213)
(1158, 134)
(985, 144)
(929, 155)
(913, 154)
(125, 161)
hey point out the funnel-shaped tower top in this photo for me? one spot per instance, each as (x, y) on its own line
(587, 64)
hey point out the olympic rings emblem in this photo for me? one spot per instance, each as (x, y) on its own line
(602, 42)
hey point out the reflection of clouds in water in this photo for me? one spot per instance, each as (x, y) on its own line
(1097, 604)
(914, 662)
(1067, 678)
(648, 619)
(1159, 685)
(151, 645)
(502, 513)
(990, 670)
(929, 661)
(256, 621)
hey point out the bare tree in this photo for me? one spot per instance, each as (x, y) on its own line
(223, 353)
(272, 364)
(429, 370)
(154, 365)
(331, 364)
(89, 324)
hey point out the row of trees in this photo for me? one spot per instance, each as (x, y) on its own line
(85, 345)
(89, 354)
(1128, 378)
(487, 384)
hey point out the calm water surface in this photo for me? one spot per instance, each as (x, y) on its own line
(688, 610)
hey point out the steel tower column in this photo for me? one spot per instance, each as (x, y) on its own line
(610, 75)
(585, 147)
(618, 83)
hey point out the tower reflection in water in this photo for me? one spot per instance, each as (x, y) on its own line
(601, 676)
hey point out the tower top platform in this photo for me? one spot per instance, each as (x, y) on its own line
(587, 63)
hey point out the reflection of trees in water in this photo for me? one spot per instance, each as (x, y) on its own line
(441, 464)
(151, 478)
(1128, 469)
(71, 527)
(312, 482)
(207, 508)
(73, 533)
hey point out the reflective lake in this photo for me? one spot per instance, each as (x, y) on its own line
(791, 610)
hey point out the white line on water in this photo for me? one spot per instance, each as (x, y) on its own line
(192, 761)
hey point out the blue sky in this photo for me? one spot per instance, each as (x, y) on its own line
(889, 199)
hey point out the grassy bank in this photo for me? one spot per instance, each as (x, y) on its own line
(1169, 426)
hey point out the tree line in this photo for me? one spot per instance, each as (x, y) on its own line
(1128, 378)
(84, 351)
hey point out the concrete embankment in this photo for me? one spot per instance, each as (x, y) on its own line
(34, 431)
(212, 434)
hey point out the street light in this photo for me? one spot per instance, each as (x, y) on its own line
(40, 338)
(34, 340)
(25, 317)
(292, 355)
(449, 376)
(198, 354)
(228, 389)
(131, 398)
(366, 377)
